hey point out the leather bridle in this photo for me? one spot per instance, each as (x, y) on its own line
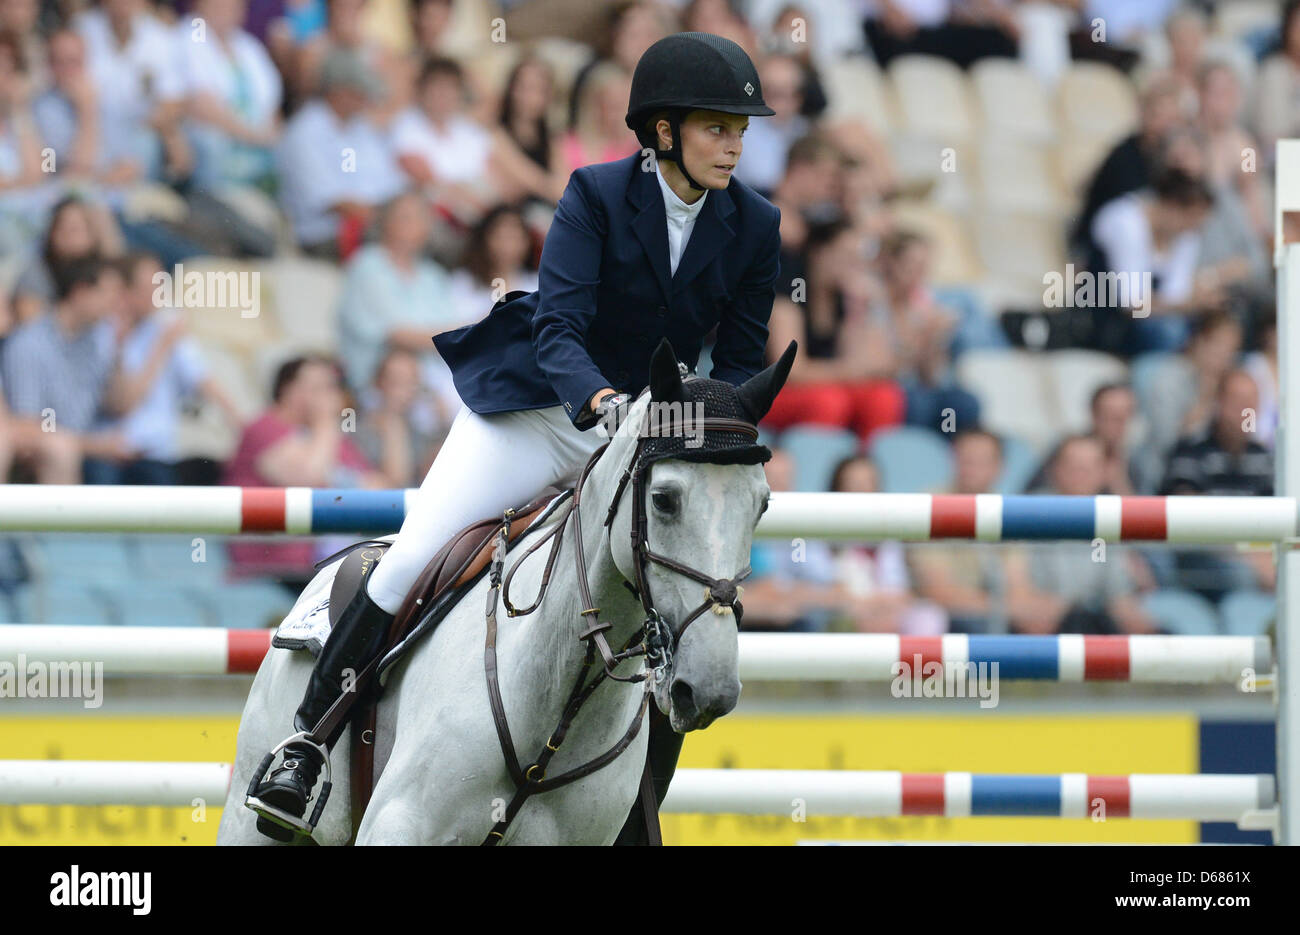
(655, 639)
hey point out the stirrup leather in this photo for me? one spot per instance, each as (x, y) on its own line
(300, 826)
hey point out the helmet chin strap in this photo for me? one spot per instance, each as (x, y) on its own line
(675, 153)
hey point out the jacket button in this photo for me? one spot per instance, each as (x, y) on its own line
(661, 311)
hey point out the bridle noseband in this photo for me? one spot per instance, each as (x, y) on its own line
(654, 640)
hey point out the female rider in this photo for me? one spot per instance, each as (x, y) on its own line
(659, 244)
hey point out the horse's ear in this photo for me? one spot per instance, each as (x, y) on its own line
(759, 392)
(665, 377)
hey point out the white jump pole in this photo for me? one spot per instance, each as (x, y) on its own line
(798, 793)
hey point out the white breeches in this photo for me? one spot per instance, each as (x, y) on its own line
(486, 464)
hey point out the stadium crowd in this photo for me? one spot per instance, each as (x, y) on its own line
(382, 170)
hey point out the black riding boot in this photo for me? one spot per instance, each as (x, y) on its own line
(665, 746)
(354, 640)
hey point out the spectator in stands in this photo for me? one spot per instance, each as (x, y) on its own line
(20, 157)
(1150, 242)
(722, 18)
(1130, 165)
(917, 332)
(808, 194)
(601, 133)
(1113, 407)
(793, 585)
(21, 19)
(1262, 366)
(1078, 587)
(874, 577)
(1179, 398)
(430, 20)
(1224, 461)
(1186, 31)
(962, 31)
(967, 580)
(299, 441)
(328, 203)
(523, 154)
(139, 83)
(1233, 157)
(768, 141)
(233, 95)
(77, 230)
(159, 366)
(55, 370)
(829, 31)
(1277, 89)
(1227, 459)
(345, 29)
(500, 258)
(395, 296)
(402, 422)
(843, 377)
(441, 148)
(631, 29)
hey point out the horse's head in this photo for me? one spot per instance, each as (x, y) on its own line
(697, 494)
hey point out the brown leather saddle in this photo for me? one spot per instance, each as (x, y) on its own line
(458, 563)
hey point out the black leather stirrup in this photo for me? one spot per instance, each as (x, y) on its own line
(281, 800)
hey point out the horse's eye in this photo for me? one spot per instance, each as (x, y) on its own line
(767, 501)
(663, 501)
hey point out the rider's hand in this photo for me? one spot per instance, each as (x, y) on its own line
(610, 412)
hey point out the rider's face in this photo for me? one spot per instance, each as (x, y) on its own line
(711, 145)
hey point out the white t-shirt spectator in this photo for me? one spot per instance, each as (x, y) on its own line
(1122, 231)
(323, 161)
(456, 152)
(240, 74)
(131, 79)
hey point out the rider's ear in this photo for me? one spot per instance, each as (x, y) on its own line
(665, 377)
(759, 392)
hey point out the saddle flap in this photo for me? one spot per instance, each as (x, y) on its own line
(354, 569)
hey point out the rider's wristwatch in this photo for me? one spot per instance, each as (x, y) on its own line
(603, 410)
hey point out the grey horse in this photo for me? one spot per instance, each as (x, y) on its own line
(442, 776)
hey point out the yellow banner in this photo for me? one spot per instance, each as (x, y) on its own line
(997, 744)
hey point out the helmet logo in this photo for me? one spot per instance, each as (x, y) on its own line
(749, 89)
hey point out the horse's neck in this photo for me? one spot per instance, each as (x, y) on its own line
(555, 652)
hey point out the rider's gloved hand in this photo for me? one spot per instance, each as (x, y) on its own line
(610, 413)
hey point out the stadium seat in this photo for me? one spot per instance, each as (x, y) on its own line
(1020, 248)
(855, 89)
(953, 257)
(305, 297)
(1182, 613)
(71, 602)
(1019, 177)
(1145, 371)
(168, 558)
(1242, 17)
(1078, 157)
(1014, 104)
(147, 603)
(1097, 99)
(224, 323)
(1075, 375)
(933, 98)
(816, 450)
(1013, 392)
(206, 433)
(253, 604)
(1248, 613)
(1019, 464)
(912, 460)
(94, 558)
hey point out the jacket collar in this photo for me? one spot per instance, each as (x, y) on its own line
(711, 232)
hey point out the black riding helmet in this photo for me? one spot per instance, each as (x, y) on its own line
(691, 71)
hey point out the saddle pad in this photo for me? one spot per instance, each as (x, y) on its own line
(307, 625)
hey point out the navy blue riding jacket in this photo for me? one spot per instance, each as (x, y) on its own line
(606, 296)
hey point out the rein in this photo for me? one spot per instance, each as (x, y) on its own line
(653, 640)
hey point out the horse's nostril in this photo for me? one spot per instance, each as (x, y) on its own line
(682, 696)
